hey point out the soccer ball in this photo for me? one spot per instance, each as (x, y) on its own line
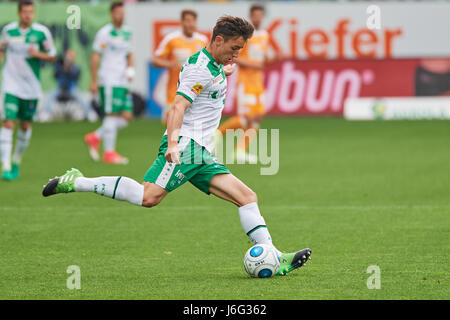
(261, 261)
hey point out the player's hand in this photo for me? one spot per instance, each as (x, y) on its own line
(93, 88)
(130, 73)
(173, 155)
(229, 69)
(33, 52)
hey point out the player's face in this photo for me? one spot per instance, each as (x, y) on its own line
(228, 51)
(118, 15)
(189, 25)
(26, 15)
(256, 17)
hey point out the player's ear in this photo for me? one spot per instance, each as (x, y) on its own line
(219, 40)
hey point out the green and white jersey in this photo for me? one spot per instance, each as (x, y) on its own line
(21, 73)
(114, 45)
(202, 81)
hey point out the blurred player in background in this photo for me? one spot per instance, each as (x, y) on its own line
(250, 86)
(26, 44)
(112, 47)
(174, 50)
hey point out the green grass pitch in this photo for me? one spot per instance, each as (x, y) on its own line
(357, 193)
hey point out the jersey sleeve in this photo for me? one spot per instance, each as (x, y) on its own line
(100, 42)
(48, 44)
(193, 80)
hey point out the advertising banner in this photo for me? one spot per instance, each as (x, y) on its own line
(308, 87)
(397, 108)
(308, 31)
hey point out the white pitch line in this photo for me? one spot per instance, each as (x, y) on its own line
(266, 207)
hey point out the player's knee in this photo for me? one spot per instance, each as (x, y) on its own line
(25, 125)
(150, 201)
(9, 124)
(128, 116)
(249, 197)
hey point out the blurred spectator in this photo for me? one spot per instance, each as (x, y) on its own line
(67, 74)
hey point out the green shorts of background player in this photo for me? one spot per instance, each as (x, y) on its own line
(22, 110)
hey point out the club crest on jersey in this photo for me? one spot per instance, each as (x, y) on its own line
(197, 89)
(32, 39)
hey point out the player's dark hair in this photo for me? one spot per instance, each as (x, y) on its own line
(187, 12)
(115, 4)
(24, 3)
(256, 7)
(232, 27)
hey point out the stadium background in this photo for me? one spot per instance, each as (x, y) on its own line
(359, 193)
(311, 35)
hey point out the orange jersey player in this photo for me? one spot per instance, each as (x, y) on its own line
(174, 50)
(250, 87)
(250, 81)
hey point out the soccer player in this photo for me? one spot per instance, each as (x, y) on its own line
(185, 150)
(112, 47)
(175, 49)
(25, 44)
(250, 87)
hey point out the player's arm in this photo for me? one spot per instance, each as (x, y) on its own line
(46, 49)
(174, 122)
(34, 53)
(131, 71)
(164, 63)
(1, 56)
(250, 64)
(95, 61)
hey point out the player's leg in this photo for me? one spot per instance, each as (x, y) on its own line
(23, 138)
(27, 109)
(153, 194)
(107, 132)
(121, 106)
(94, 138)
(115, 187)
(10, 113)
(126, 111)
(6, 143)
(230, 188)
(161, 178)
(233, 123)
